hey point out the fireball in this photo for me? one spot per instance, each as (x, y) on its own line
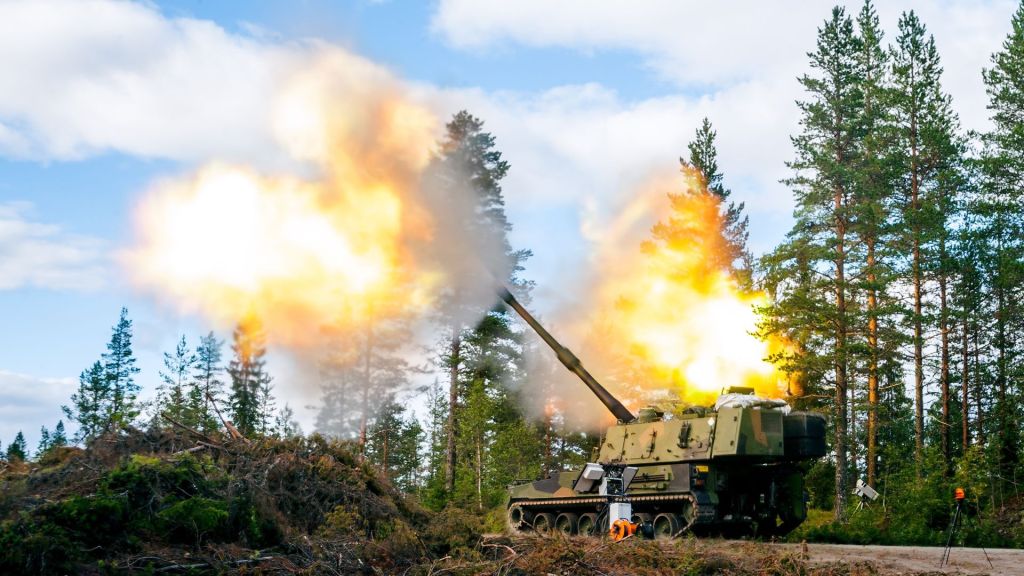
(333, 248)
(674, 318)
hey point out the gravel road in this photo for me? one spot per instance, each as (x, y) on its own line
(917, 559)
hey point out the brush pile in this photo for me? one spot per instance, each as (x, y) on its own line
(137, 501)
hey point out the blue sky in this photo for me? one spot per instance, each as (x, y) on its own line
(588, 100)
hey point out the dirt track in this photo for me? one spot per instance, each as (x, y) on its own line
(917, 559)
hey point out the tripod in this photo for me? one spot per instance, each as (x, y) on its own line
(954, 526)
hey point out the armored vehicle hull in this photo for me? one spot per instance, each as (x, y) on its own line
(725, 471)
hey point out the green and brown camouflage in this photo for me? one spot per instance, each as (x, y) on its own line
(738, 468)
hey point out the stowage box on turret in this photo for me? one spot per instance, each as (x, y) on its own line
(735, 468)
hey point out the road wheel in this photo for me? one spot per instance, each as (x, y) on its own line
(641, 517)
(587, 524)
(666, 525)
(566, 523)
(544, 522)
(518, 518)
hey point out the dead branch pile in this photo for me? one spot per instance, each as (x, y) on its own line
(185, 502)
(521, 556)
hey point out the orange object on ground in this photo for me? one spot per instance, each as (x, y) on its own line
(959, 494)
(622, 528)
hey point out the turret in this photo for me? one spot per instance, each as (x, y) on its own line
(569, 360)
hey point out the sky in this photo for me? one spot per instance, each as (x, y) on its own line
(587, 100)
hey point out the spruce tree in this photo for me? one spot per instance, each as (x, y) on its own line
(89, 403)
(174, 391)
(45, 442)
(249, 378)
(704, 158)
(17, 451)
(285, 425)
(119, 371)
(59, 437)
(361, 371)
(206, 387)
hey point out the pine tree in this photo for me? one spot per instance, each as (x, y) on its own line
(45, 442)
(249, 379)
(173, 394)
(818, 252)
(119, 371)
(434, 488)
(927, 153)
(704, 157)
(89, 403)
(363, 369)
(17, 451)
(497, 444)
(285, 425)
(207, 387)
(999, 210)
(872, 222)
(466, 178)
(267, 405)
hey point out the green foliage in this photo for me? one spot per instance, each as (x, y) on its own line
(393, 446)
(704, 157)
(915, 511)
(107, 391)
(87, 402)
(820, 484)
(174, 396)
(119, 371)
(207, 387)
(17, 450)
(452, 528)
(194, 520)
(250, 383)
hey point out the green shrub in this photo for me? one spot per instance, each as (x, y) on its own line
(195, 520)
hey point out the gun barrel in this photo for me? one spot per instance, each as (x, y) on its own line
(567, 358)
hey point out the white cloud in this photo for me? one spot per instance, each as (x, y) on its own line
(84, 77)
(697, 44)
(33, 254)
(29, 402)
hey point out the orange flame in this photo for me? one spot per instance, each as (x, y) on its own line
(674, 319)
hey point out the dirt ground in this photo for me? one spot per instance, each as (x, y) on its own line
(917, 559)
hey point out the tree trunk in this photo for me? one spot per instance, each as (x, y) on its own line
(947, 444)
(840, 358)
(851, 434)
(965, 405)
(916, 272)
(453, 403)
(977, 389)
(872, 425)
(479, 473)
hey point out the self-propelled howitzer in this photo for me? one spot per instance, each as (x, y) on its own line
(736, 467)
